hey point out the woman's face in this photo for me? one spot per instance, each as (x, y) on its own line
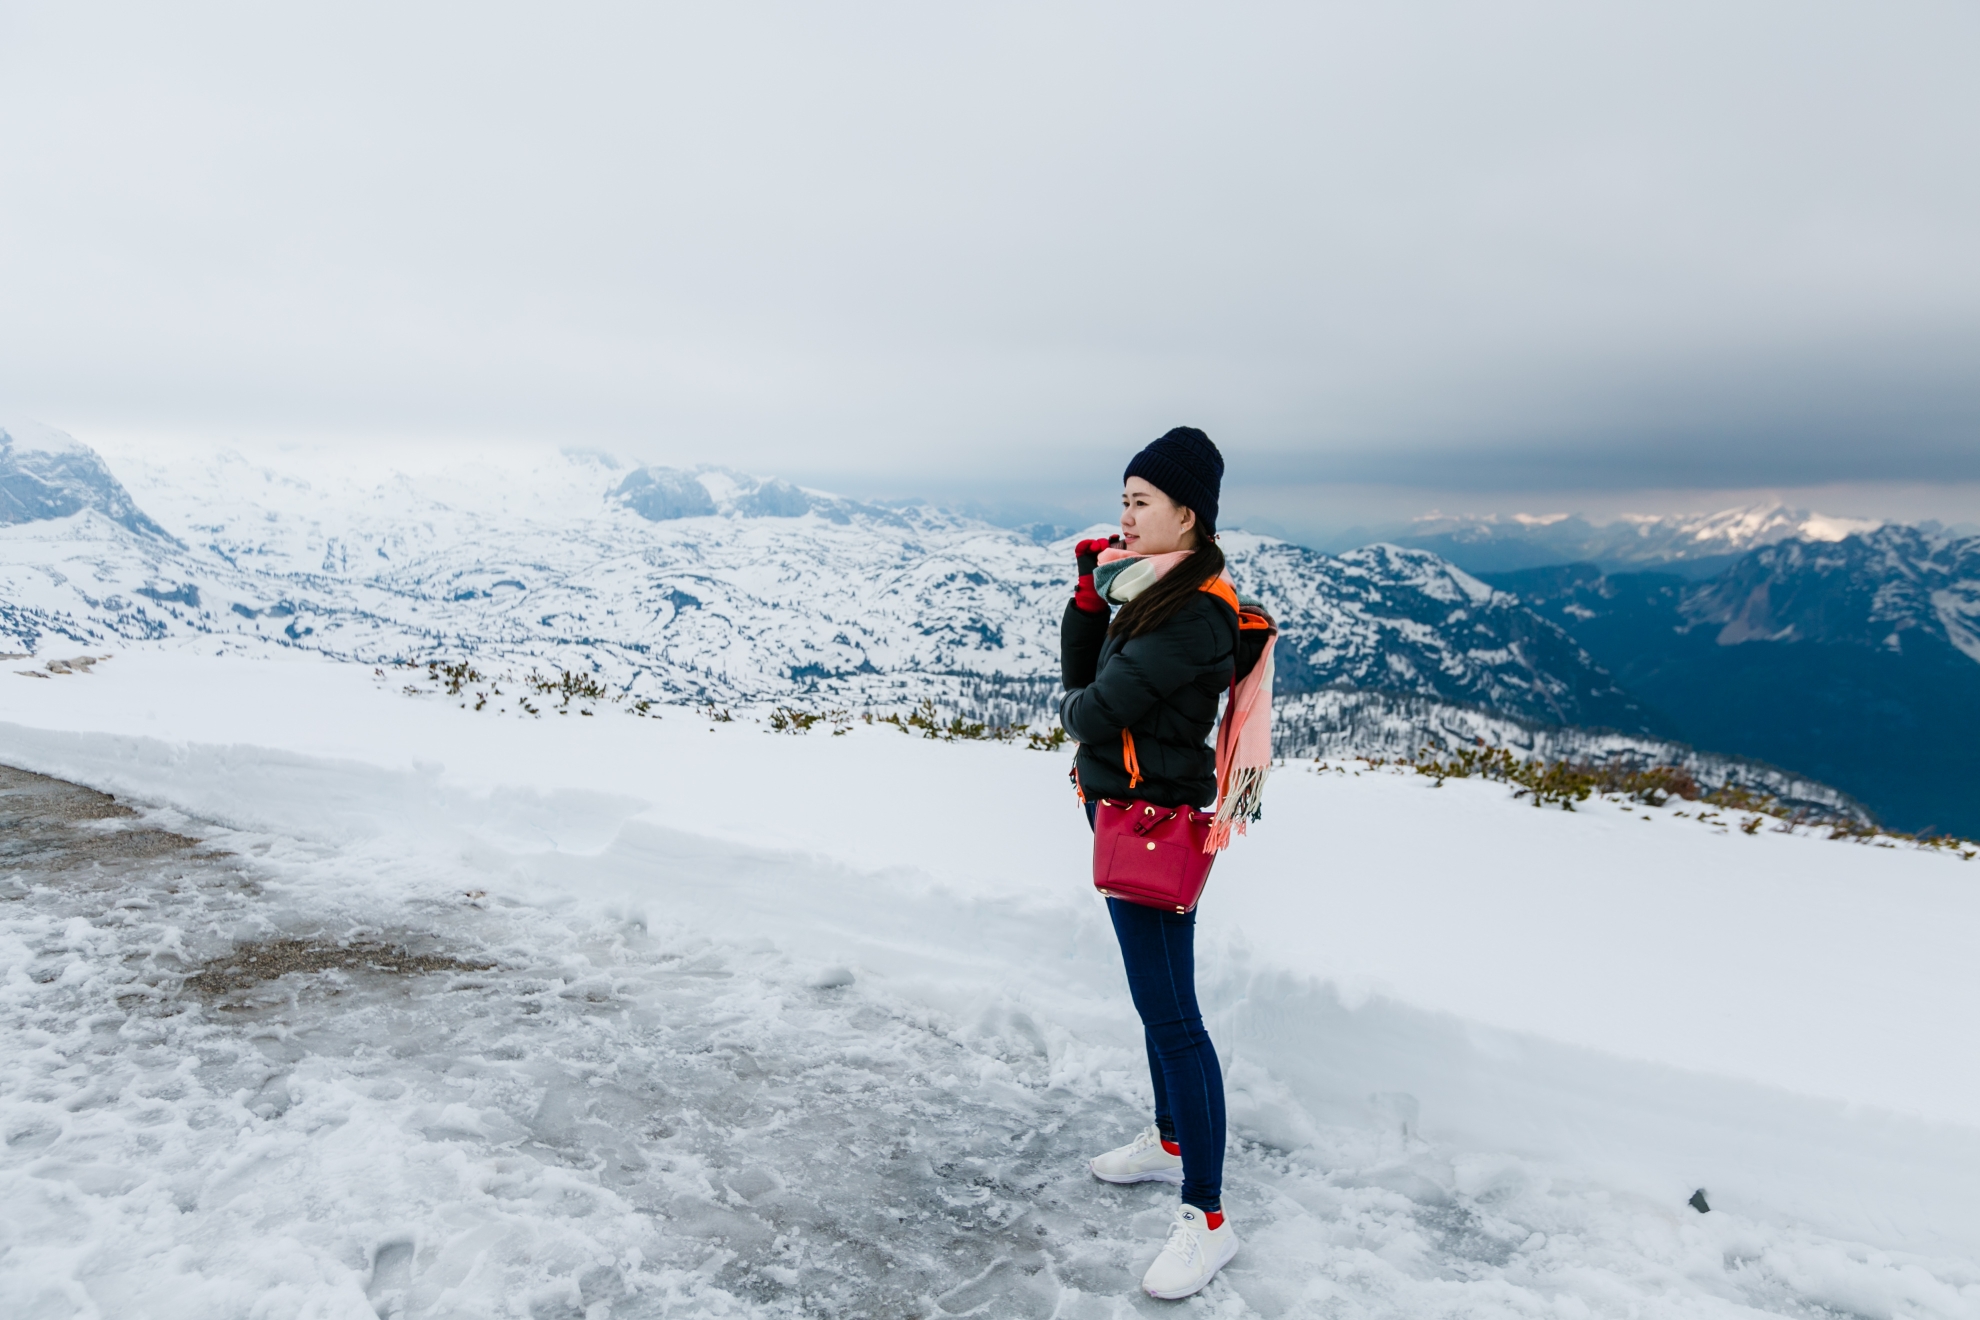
(1152, 523)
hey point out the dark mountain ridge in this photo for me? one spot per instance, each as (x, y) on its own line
(1851, 661)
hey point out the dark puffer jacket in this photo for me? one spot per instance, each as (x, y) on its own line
(1163, 687)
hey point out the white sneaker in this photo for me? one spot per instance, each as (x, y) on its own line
(1141, 1160)
(1191, 1257)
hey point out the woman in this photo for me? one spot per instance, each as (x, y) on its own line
(1156, 671)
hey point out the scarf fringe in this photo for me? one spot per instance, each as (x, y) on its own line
(1244, 802)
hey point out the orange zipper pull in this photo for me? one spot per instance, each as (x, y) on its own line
(1130, 760)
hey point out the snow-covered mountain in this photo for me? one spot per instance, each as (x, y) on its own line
(1848, 660)
(710, 585)
(1876, 589)
(1695, 542)
(1402, 620)
(45, 474)
(547, 567)
(1852, 661)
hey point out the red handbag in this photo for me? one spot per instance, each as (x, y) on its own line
(1151, 855)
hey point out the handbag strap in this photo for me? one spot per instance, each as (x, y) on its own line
(1129, 760)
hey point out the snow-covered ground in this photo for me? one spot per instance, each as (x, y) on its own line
(608, 1015)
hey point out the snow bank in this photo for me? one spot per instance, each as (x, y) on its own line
(1653, 1004)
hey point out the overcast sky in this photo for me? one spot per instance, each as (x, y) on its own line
(1389, 255)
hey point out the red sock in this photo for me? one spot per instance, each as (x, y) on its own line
(1171, 1148)
(1214, 1218)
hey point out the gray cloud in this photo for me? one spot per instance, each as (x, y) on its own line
(1530, 245)
(1856, 411)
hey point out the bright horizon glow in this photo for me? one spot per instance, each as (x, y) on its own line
(1307, 515)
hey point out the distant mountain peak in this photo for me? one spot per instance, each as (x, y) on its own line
(1873, 589)
(47, 474)
(1432, 574)
(1690, 542)
(1826, 527)
(35, 438)
(660, 494)
(667, 494)
(1748, 526)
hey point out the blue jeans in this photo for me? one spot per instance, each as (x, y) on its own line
(1159, 950)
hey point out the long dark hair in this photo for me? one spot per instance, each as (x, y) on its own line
(1158, 604)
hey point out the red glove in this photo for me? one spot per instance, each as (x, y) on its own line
(1087, 554)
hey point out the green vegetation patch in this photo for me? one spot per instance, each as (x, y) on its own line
(1564, 783)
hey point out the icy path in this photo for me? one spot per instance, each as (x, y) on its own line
(232, 1084)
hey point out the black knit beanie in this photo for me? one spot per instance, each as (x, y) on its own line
(1186, 467)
